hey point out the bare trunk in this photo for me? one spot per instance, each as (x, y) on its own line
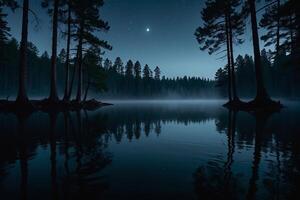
(22, 97)
(73, 77)
(67, 77)
(261, 93)
(235, 97)
(53, 89)
(79, 84)
(228, 58)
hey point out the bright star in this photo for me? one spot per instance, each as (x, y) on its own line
(148, 29)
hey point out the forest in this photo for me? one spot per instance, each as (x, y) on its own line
(91, 106)
(107, 79)
(74, 74)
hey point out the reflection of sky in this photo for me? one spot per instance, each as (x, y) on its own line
(170, 44)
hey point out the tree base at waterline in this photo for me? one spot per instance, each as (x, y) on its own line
(47, 106)
(256, 105)
(235, 104)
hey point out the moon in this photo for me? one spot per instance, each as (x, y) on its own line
(147, 29)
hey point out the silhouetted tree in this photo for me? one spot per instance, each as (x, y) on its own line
(129, 69)
(245, 75)
(221, 24)
(107, 64)
(221, 79)
(271, 20)
(22, 98)
(118, 65)
(157, 73)
(53, 96)
(4, 29)
(89, 23)
(146, 72)
(68, 21)
(262, 96)
(95, 75)
(137, 70)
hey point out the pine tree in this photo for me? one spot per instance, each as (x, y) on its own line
(262, 97)
(146, 72)
(157, 73)
(118, 66)
(4, 29)
(53, 96)
(273, 22)
(95, 75)
(67, 20)
(107, 64)
(137, 70)
(129, 69)
(222, 23)
(89, 23)
(22, 98)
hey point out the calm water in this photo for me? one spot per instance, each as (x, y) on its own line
(151, 150)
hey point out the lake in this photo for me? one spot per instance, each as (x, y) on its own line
(151, 150)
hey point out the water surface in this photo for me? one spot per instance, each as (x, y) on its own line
(151, 150)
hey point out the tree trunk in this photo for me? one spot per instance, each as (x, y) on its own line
(261, 93)
(228, 59)
(67, 77)
(22, 98)
(73, 78)
(235, 97)
(53, 97)
(79, 84)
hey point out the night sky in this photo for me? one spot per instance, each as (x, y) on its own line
(155, 32)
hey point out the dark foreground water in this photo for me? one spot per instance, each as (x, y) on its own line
(151, 150)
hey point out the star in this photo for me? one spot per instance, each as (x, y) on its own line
(147, 29)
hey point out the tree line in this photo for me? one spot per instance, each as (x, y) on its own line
(131, 80)
(278, 73)
(82, 22)
(82, 67)
(102, 78)
(75, 72)
(225, 24)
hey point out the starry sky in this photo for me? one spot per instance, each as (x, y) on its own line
(168, 43)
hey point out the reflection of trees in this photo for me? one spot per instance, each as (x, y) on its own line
(80, 139)
(23, 154)
(133, 122)
(215, 181)
(261, 119)
(268, 134)
(90, 160)
(63, 136)
(52, 141)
